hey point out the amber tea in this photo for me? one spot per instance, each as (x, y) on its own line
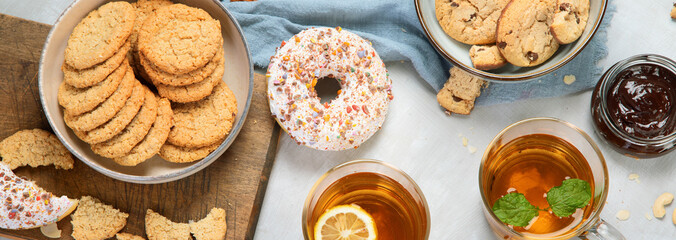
(398, 209)
(532, 165)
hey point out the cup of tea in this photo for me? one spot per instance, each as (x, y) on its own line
(368, 198)
(544, 178)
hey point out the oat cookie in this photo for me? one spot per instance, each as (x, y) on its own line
(119, 121)
(160, 77)
(470, 21)
(570, 19)
(213, 226)
(523, 35)
(128, 236)
(673, 11)
(90, 76)
(193, 92)
(144, 8)
(155, 138)
(204, 122)
(178, 154)
(137, 129)
(160, 228)
(486, 57)
(106, 110)
(34, 148)
(96, 220)
(77, 101)
(100, 34)
(179, 39)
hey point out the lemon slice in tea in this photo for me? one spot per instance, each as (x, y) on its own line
(345, 222)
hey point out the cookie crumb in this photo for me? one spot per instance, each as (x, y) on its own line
(623, 215)
(464, 141)
(634, 177)
(648, 216)
(569, 79)
(472, 149)
(51, 230)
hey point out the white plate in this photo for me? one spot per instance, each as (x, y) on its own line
(458, 53)
(238, 75)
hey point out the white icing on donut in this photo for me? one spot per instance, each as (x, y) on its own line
(25, 205)
(360, 108)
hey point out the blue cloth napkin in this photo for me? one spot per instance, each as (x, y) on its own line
(396, 33)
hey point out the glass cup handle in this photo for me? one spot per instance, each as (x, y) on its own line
(602, 231)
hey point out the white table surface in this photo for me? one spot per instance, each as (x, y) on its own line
(421, 139)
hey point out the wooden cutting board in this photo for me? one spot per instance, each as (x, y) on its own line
(235, 182)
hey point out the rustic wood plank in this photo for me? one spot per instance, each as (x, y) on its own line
(235, 182)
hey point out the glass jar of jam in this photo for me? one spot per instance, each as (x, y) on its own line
(634, 106)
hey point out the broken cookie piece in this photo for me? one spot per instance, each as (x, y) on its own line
(486, 57)
(459, 92)
(35, 147)
(673, 15)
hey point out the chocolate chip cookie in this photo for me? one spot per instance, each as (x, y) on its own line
(570, 20)
(523, 35)
(486, 57)
(470, 21)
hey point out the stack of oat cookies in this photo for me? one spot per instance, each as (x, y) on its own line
(179, 50)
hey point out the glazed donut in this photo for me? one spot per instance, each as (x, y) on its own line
(25, 205)
(361, 105)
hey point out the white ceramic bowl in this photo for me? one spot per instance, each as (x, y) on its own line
(238, 75)
(458, 53)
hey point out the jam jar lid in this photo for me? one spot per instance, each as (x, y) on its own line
(636, 101)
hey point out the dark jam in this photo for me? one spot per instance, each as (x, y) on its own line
(639, 115)
(641, 101)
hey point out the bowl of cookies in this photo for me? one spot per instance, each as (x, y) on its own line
(146, 91)
(510, 40)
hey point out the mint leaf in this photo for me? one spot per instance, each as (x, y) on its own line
(514, 209)
(571, 195)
